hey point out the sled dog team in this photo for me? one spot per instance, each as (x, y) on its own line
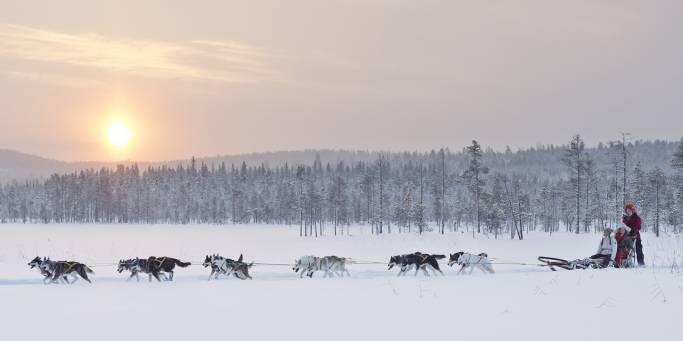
(162, 268)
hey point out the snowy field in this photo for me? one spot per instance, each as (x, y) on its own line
(519, 302)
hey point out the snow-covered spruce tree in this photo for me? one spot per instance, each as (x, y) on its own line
(574, 160)
(656, 181)
(589, 171)
(677, 165)
(475, 178)
(639, 191)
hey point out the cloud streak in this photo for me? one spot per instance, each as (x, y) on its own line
(190, 61)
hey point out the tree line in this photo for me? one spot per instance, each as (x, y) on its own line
(546, 188)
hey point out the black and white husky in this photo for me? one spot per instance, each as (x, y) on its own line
(61, 269)
(421, 261)
(137, 266)
(331, 265)
(219, 265)
(226, 266)
(468, 260)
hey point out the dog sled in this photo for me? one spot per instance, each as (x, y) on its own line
(628, 261)
(554, 263)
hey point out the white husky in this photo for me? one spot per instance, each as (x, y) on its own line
(331, 265)
(468, 260)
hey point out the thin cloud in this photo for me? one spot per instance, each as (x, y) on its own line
(53, 79)
(194, 61)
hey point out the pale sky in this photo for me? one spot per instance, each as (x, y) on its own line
(224, 77)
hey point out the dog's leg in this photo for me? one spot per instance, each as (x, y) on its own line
(424, 269)
(489, 268)
(56, 277)
(462, 268)
(471, 269)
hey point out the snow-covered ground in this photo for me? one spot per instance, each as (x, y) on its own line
(519, 302)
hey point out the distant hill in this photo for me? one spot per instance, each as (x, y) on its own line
(21, 166)
(15, 165)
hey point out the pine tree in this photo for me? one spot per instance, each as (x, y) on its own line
(574, 160)
(475, 178)
(656, 178)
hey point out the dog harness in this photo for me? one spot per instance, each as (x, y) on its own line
(69, 264)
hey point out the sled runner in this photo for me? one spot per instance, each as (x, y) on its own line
(552, 263)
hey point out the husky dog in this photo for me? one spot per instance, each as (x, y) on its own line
(155, 265)
(61, 269)
(421, 261)
(219, 265)
(136, 266)
(239, 268)
(305, 264)
(36, 262)
(468, 260)
(331, 265)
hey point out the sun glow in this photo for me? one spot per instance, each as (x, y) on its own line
(119, 135)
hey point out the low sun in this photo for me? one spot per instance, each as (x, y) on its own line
(119, 135)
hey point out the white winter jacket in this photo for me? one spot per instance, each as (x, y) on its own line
(608, 246)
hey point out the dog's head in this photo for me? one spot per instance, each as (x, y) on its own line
(46, 264)
(207, 261)
(453, 258)
(297, 265)
(394, 261)
(35, 262)
(123, 265)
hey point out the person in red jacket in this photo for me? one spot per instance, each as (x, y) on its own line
(632, 220)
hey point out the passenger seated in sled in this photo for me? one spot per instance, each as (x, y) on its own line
(607, 250)
(624, 247)
(606, 253)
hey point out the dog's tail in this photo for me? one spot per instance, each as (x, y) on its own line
(439, 256)
(182, 264)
